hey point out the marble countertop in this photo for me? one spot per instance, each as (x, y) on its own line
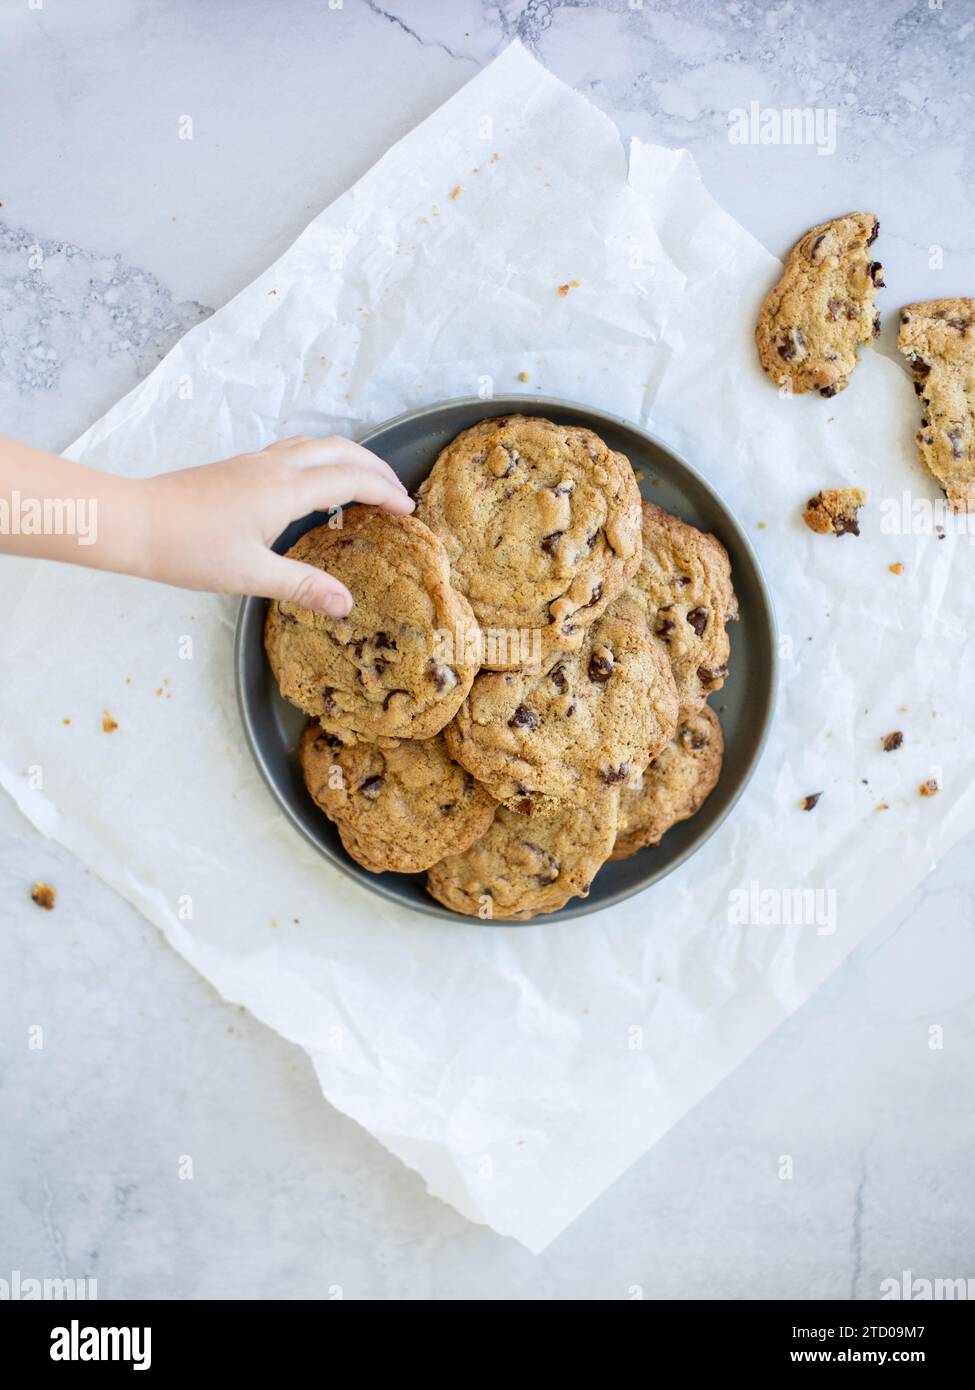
(145, 233)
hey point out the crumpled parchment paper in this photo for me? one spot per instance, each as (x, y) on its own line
(519, 1071)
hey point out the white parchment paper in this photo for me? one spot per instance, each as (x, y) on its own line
(519, 1071)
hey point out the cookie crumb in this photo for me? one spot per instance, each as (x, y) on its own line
(44, 895)
(896, 568)
(808, 802)
(761, 525)
(108, 723)
(522, 376)
(893, 741)
(929, 788)
(881, 806)
(835, 511)
(455, 193)
(564, 289)
(65, 721)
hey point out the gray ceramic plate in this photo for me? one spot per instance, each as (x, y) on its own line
(410, 444)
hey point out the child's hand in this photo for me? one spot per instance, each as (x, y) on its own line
(212, 527)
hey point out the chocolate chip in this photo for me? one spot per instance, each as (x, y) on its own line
(524, 808)
(444, 676)
(600, 668)
(846, 525)
(595, 596)
(550, 542)
(893, 741)
(558, 679)
(876, 272)
(683, 580)
(389, 695)
(615, 774)
(876, 325)
(698, 619)
(523, 718)
(692, 739)
(468, 784)
(827, 391)
(357, 648)
(817, 243)
(327, 700)
(372, 786)
(808, 802)
(550, 868)
(384, 642)
(446, 810)
(835, 308)
(665, 627)
(873, 235)
(711, 675)
(954, 439)
(919, 367)
(960, 324)
(919, 388)
(792, 345)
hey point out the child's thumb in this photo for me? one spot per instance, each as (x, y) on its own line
(304, 585)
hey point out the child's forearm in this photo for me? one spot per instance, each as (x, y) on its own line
(53, 509)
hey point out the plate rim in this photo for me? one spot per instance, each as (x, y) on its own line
(576, 908)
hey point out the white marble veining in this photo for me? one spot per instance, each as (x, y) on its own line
(140, 234)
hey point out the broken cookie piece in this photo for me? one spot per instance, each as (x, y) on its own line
(44, 895)
(938, 339)
(823, 308)
(834, 511)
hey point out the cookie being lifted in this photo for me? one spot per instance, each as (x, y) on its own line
(674, 786)
(938, 338)
(385, 670)
(541, 741)
(522, 867)
(399, 805)
(823, 308)
(542, 526)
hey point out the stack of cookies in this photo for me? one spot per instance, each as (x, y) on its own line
(519, 693)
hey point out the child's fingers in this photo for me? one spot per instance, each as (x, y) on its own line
(335, 451)
(329, 486)
(291, 580)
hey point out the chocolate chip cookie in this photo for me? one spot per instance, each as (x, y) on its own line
(938, 338)
(541, 741)
(823, 308)
(682, 592)
(399, 805)
(674, 786)
(520, 867)
(542, 526)
(835, 511)
(402, 662)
